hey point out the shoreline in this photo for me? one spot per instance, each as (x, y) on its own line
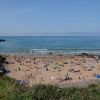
(50, 53)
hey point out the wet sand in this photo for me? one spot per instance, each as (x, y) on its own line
(54, 69)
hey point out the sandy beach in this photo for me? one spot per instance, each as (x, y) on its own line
(53, 69)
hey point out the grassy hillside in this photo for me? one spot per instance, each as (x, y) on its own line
(9, 90)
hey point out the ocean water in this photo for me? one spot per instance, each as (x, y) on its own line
(55, 44)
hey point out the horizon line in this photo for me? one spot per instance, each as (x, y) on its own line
(47, 35)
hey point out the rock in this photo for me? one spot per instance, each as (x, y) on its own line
(2, 40)
(87, 55)
(3, 70)
(21, 82)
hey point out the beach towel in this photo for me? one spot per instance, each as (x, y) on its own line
(98, 76)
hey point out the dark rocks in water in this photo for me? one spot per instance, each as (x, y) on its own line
(84, 54)
(87, 55)
(2, 40)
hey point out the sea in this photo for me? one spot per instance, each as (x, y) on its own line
(50, 44)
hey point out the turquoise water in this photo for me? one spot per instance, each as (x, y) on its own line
(58, 44)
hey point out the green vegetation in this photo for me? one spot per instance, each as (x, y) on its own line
(10, 90)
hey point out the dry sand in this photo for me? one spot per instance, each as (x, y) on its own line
(53, 69)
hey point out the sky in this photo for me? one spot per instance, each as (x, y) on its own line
(49, 17)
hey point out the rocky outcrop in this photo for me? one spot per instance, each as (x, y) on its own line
(3, 61)
(2, 40)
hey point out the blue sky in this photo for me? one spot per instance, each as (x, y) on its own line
(49, 17)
